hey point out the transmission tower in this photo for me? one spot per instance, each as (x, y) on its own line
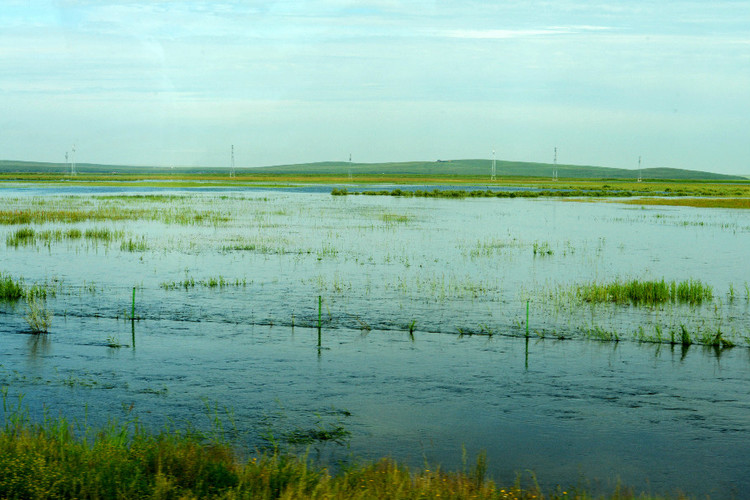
(231, 170)
(73, 161)
(493, 174)
(640, 178)
(554, 166)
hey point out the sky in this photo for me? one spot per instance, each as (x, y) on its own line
(177, 83)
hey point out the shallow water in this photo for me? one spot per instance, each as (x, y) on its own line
(657, 417)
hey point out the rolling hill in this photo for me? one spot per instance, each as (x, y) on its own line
(434, 169)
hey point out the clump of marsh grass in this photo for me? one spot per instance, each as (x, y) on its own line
(542, 249)
(644, 292)
(101, 234)
(10, 290)
(38, 315)
(21, 237)
(27, 236)
(137, 245)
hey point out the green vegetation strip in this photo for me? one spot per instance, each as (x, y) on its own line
(638, 292)
(457, 193)
(694, 202)
(56, 459)
(112, 212)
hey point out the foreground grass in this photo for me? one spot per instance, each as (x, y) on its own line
(51, 460)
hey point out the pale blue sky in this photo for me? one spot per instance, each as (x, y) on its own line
(177, 83)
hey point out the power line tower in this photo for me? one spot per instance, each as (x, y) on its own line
(231, 170)
(640, 177)
(554, 166)
(66, 160)
(493, 174)
(350, 166)
(73, 161)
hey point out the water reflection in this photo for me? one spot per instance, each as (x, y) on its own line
(38, 346)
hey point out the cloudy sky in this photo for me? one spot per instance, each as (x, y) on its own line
(178, 82)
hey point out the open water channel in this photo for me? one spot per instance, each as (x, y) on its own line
(227, 285)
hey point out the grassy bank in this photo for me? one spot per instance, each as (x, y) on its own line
(694, 202)
(57, 459)
(270, 178)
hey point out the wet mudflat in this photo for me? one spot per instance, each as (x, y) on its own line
(227, 288)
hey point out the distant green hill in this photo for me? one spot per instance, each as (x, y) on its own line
(446, 169)
(480, 168)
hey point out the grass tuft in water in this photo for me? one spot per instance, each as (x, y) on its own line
(137, 245)
(38, 316)
(639, 292)
(21, 237)
(10, 290)
(542, 249)
(101, 234)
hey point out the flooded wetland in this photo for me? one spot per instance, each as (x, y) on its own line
(586, 343)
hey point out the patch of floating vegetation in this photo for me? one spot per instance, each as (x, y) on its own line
(645, 292)
(212, 282)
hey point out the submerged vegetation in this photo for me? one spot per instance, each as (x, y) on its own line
(212, 282)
